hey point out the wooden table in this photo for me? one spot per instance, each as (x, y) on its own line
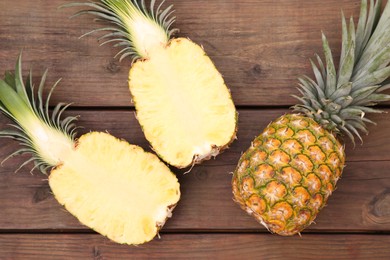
(260, 47)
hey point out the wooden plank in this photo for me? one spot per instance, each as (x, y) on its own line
(361, 202)
(196, 246)
(259, 46)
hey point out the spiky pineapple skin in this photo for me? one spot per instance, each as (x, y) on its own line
(285, 178)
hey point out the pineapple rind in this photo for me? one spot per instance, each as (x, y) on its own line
(183, 105)
(285, 178)
(116, 188)
(286, 200)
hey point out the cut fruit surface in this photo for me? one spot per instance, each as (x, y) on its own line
(182, 103)
(116, 188)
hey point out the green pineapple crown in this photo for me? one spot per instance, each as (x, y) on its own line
(43, 135)
(137, 29)
(340, 100)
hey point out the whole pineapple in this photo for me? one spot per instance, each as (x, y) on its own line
(285, 178)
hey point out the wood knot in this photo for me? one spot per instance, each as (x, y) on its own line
(254, 72)
(201, 174)
(113, 66)
(257, 69)
(378, 209)
(97, 255)
(41, 194)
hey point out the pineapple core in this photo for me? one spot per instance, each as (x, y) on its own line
(116, 188)
(183, 104)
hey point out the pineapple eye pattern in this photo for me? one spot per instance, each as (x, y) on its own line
(288, 169)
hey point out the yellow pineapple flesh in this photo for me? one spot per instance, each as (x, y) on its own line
(116, 188)
(288, 173)
(183, 104)
(111, 186)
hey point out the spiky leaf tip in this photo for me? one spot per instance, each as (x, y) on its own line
(135, 27)
(41, 133)
(340, 101)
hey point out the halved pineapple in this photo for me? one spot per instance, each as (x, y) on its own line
(186, 113)
(110, 185)
(183, 105)
(116, 188)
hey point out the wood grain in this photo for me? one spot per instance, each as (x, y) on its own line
(259, 46)
(361, 202)
(199, 246)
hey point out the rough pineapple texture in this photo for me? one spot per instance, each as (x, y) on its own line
(288, 173)
(183, 105)
(116, 188)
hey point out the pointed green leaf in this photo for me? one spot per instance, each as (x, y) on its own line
(47, 115)
(344, 130)
(318, 75)
(348, 59)
(373, 99)
(364, 92)
(315, 104)
(9, 78)
(354, 131)
(377, 62)
(40, 106)
(321, 67)
(307, 88)
(20, 88)
(376, 36)
(342, 91)
(337, 120)
(332, 107)
(370, 25)
(302, 100)
(344, 101)
(142, 27)
(351, 111)
(368, 121)
(361, 29)
(358, 124)
(344, 39)
(330, 68)
(367, 109)
(374, 78)
(318, 90)
(33, 124)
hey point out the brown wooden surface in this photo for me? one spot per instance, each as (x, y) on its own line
(260, 47)
(197, 246)
(360, 203)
